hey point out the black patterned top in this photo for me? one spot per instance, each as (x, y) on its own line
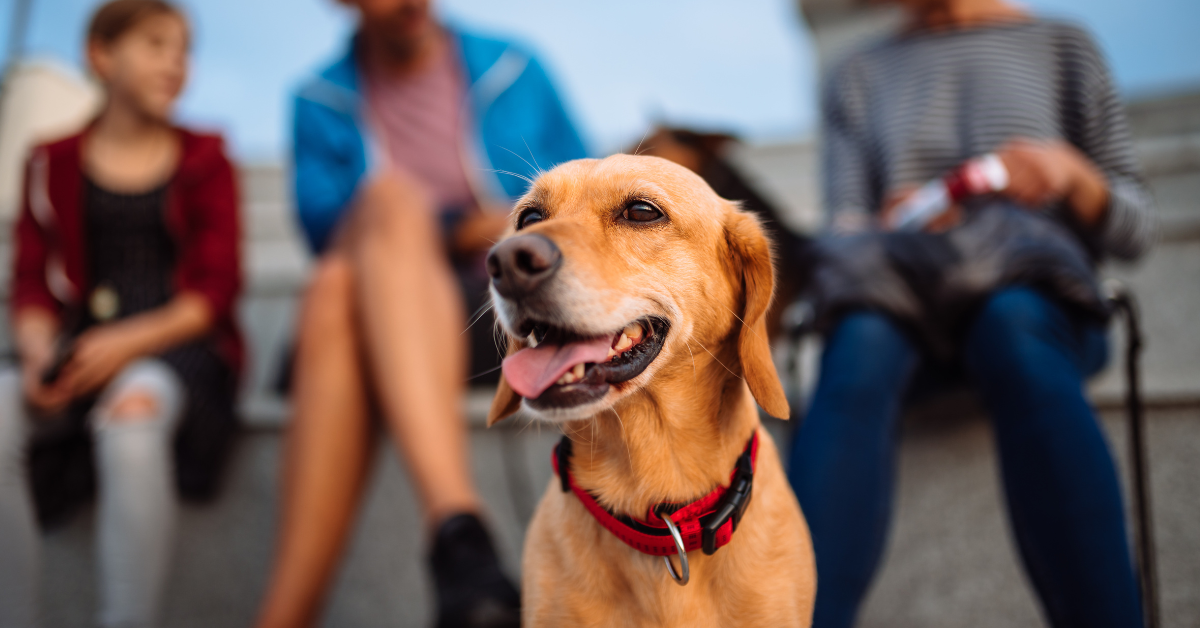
(131, 255)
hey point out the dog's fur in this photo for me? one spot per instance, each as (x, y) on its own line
(672, 433)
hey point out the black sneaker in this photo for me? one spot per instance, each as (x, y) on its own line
(472, 591)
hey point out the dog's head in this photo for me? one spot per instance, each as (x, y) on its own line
(621, 269)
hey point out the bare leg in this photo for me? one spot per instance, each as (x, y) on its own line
(328, 449)
(411, 312)
(384, 302)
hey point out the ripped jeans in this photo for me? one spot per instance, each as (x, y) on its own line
(136, 503)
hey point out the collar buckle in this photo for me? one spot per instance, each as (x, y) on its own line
(732, 504)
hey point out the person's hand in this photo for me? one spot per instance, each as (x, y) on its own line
(479, 230)
(887, 213)
(1043, 172)
(892, 200)
(99, 354)
(1040, 172)
(46, 399)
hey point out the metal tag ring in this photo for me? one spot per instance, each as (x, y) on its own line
(683, 560)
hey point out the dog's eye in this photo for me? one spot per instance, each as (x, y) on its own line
(529, 217)
(641, 211)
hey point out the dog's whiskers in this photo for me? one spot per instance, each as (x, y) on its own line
(720, 362)
(624, 438)
(499, 338)
(483, 309)
(529, 422)
(689, 346)
(752, 330)
(511, 174)
(518, 156)
(481, 374)
(644, 136)
(536, 166)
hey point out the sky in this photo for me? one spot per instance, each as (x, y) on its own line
(621, 65)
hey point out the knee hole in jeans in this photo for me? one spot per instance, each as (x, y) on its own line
(133, 406)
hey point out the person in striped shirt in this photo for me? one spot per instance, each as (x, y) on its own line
(967, 78)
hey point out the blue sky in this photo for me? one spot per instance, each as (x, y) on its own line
(745, 66)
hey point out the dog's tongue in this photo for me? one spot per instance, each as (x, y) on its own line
(531, 371)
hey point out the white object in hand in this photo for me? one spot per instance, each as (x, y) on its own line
(982, 175)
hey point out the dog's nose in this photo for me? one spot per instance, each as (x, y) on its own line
(520, 264)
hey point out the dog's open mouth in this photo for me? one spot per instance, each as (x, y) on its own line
(562, 368)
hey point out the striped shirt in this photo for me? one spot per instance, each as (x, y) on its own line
(914, 106)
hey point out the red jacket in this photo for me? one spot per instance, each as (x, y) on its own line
(201, 215)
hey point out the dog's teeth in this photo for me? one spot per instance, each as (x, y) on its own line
(634, 332)
(611, 353)
(623, 342)
(533, 340)
(572, 376)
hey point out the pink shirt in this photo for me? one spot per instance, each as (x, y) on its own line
(418, 122)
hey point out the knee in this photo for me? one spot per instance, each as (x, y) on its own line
(1011, 324)
(147, 392)
(866, 331)
(867, 351)
(133, 406)
(394, 208)
(1012, 315)
(328, 300)
(133, 424)
(1013, 311)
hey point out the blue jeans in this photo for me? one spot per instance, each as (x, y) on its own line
(1027, 358)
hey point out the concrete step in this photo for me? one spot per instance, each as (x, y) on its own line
(950, 561)
(1166, 115)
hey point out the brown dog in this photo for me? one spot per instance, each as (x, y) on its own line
(634, 298)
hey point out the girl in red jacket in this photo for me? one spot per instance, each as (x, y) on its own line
(125, 277)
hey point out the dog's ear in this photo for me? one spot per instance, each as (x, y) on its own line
(506, 401)
(750, 253)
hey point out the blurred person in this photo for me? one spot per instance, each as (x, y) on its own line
(125, 276)
(408, 151)
(999, 291)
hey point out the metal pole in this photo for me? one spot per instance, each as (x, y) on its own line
(16, 33)
(1147, 569)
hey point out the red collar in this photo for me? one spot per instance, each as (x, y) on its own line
(707, 523)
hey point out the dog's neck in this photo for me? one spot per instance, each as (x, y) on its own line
(672, 442)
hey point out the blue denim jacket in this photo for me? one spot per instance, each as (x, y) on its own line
(516, 124)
